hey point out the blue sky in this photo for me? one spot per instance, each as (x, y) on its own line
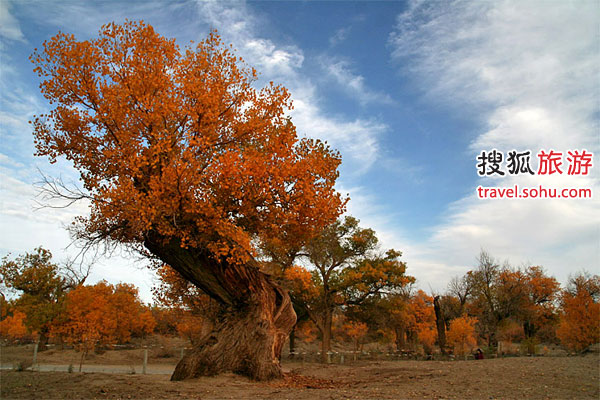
(409, 93)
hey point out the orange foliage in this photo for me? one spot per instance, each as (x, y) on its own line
(89, 320)
(510, 331)
(129, 314)
(420, 317)
(356, 331)
(427, 336)
(301, 284)
(192, 327)
(422, 320)
(579, 325)
(13, 326)
(166, 320)
(179, 143)
(103, 313)
(462, 334)
(306, 331)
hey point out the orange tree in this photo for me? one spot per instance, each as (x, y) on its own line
(498, 294)
(131, 316)
(183, 159)
(304, 293)
(13, 327)
(579, 324)
(421, 320)
(462, 335)
(88, 319)
(528, 296)
(355, 330)
(102, 314)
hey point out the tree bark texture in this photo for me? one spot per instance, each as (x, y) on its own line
(293, 342)
(249, 337)
(400, 338)
(43, 340)
(440, 323)
(326, 342)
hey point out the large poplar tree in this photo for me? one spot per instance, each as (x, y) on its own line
(183, 158)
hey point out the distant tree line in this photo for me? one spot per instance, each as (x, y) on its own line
(344, 288)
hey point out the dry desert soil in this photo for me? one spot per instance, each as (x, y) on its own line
(575, 377)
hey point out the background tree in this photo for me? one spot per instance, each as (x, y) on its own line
(102, 314)
(88, 319)
(195, 312)
(484, 302)
(183, 159)
(12, 327)
(338, 245)
(41, 286)
(580, 319)
(462, 334)
(347, 272)
(440, 323)
(131, 316)
(355, 330)
(304, 294)
(192, 327)
(453, 304)
(527, 296)
(420, 320)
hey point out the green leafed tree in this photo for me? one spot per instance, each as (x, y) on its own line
(348, 270)
(41, 286)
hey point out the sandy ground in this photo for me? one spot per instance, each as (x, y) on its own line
(508, 378)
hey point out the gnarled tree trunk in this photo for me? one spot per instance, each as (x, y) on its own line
(258, 317)
(440, 324)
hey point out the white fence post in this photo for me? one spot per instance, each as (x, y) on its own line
(145, 361)
(35, 350)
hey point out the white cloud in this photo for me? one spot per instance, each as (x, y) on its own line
(239, 25)
(352, 83)
(356, 139)
(9, 25)
(272, 60)
(339, 36)
(535, 85)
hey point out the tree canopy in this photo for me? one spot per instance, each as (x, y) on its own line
(179, 145)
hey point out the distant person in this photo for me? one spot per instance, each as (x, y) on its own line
(479, 354)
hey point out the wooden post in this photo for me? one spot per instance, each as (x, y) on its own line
(181, 356)
(145, 361)
(35, 350)
(342, 358)
(328, 357)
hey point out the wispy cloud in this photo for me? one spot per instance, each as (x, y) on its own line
(534, 85)
(354, 84)
(339, 36)
(357, 139)
(9, 25)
